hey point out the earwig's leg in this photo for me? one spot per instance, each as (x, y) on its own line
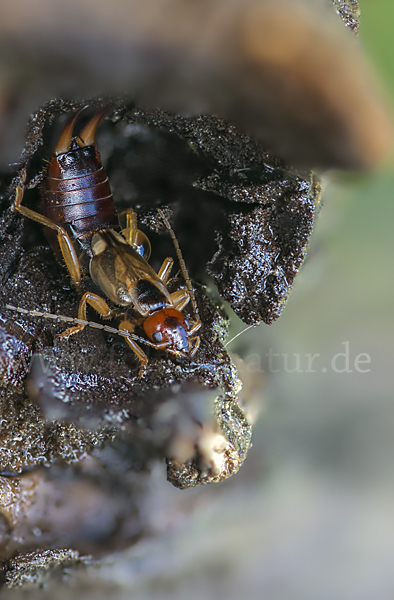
(165, 269)
(97, 303)
(195, 327)
(180, 299)
(65, 243)
(133, 236)
(129, 327)
(196, 341)
(126, 326)
(128, 223)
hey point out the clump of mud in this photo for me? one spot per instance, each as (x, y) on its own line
(79, 430)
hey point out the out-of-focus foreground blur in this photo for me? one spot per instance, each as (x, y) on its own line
(310, 515)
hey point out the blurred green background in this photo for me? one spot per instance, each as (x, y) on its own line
(376, 32)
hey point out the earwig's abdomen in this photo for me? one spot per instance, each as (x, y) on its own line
(76, 193)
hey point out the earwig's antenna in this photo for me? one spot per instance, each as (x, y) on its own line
(107, 328)
(238, 334)
(181, 261)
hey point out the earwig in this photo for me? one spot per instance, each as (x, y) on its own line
(108, 251)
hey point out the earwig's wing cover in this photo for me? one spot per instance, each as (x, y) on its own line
(117, 270)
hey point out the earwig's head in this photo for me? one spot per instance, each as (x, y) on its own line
(76, 153)
(168, 328)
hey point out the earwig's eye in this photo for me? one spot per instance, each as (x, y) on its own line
(157, 337)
